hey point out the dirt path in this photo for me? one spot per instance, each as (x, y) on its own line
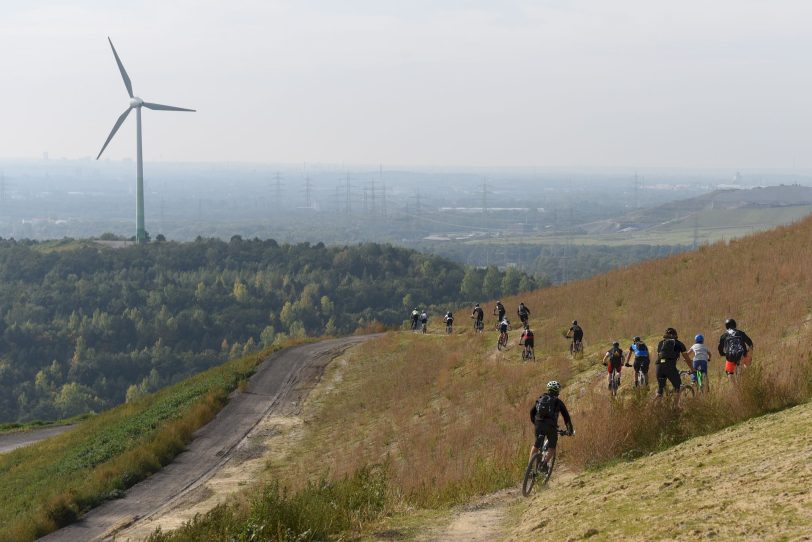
(482, 521)
(277, 384)
(18, 439)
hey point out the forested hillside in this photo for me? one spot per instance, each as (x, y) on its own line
(84, 327)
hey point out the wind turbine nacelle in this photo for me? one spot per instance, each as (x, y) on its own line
(136, 102)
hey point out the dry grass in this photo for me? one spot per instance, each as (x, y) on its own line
(450, 413)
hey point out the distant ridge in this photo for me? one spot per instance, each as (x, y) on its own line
(767, 197)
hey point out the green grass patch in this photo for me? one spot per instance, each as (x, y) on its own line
(51, 483)
(318, 511)
(15, 427)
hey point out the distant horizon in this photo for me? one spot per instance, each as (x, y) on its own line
(519, 84)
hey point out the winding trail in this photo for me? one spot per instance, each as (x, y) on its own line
(271, 389)
(18, 439)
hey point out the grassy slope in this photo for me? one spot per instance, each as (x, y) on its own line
(449, 414)
(751, 481)
(50, 483)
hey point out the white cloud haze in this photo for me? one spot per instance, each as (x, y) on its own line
(516, 83)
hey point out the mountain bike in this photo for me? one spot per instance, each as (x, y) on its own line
(614, 382)
(538, 471)
(479, 325)
(640, 378)
(686, 387)
(501, 342)
(699, 379)
(449, 327)
(577, 349)
(528, 353)
(423, 327)
(414, 325)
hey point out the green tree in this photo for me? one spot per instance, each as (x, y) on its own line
(492, 283)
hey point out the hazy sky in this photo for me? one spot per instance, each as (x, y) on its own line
(710, 83)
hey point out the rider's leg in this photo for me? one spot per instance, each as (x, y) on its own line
(661, 378)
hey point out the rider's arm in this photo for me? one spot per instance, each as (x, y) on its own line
(566, 415)
(747, 340)
(606, 358)
(722, 344)
(629, 355)
(533, 414)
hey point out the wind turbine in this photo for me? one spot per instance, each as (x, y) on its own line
(136, 103)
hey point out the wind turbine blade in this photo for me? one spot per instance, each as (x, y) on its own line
(114, 130)
(127, 82)
(160, 107)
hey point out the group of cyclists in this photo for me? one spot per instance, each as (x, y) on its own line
(734, 346)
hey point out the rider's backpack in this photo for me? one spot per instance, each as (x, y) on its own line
(528, 335)
(735, 348)
(668, 351)
(641, 350)
(545, 408)
(616, 355)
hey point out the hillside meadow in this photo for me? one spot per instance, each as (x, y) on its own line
(445, 418)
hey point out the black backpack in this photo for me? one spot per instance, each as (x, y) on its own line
(616, 355)
(545, 408)
(735, 349)
(668, 351)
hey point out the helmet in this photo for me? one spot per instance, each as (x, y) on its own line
(730, 323)
(616, 344)
(553, 387)
(671, 333)
(699, 338)
(477, 305)
(636, 339)
(575, 322)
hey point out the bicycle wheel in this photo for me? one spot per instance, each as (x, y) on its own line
(549, 473)
(687, 391)
(531, 473)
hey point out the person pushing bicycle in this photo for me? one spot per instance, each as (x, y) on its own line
(669, 350)
(544, 416)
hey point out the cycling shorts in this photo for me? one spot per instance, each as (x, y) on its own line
(730, 366)
(529, 342)
(667, 371)
(701, 365)
(549, 430)
(641, 364)
(503, 329)
(614, 365)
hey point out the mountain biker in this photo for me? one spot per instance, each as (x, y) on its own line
(641, 358)
(499, 310)
(544, 415)
(415, 318)
(478, 315)
(449, 321)
(504, 325)
(735, 346)
(701, 356)
(424, 320)
(523, 312)
(577, 335)
(613, 360)
(527, 339)
(669, 350)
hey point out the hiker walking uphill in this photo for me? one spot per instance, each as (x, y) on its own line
(669, 350)
(736, 347)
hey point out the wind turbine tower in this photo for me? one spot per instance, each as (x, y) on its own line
(136, 103)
